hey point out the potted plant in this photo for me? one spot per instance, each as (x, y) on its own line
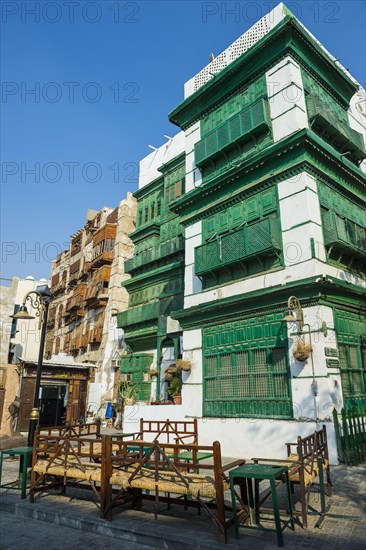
(302, 351)
(128, 392)
(175, 389)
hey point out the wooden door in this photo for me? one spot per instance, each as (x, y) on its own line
(26, 403)
(76, 400)
(2, 401)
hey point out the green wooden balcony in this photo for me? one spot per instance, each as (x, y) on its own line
(138, 314)
(333, 129)
(172, 246)
(239, 246)
(344, 235)
(251, 121)
(144, 258)
(152, 255)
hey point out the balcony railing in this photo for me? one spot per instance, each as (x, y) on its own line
(240, 245)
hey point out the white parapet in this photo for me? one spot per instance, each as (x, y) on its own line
(237, 48)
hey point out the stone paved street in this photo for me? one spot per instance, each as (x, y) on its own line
(28, 534)
(56, 522)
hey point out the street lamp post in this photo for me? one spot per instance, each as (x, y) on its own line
(39, 300)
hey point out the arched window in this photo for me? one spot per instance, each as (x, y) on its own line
(57, 346)
(60, 316)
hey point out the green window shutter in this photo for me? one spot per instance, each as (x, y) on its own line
(343, 234)
(223, 137)
(211, 144)
(233, 247)
(239, 245)
(200, 151)
(253, 119)
(263, 235)
(246, 370)
(235, 130)
(207, 257)
(245, 121)
(135, 368)
(258, 114)
(351, 335)
(332, 122)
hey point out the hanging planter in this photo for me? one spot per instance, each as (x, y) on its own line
(154, 372)
(183, 364)
(302, 351)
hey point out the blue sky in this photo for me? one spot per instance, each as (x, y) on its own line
(106, 74)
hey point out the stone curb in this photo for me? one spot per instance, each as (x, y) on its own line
(149, 533)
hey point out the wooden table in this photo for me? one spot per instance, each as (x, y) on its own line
(244, 476)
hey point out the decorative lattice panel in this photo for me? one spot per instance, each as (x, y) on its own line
(246, 369)
(233, 246)
(238, 48)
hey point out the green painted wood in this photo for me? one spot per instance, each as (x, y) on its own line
(135, 368)
(234, 105)
(251, 121)
(246, 371)
(287, 36)
(351, 338)
(350, 429)
(241, 245)
(344, 234)
(249, 209)
(330, 120)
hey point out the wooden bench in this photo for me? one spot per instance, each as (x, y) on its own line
(75, 428)
(78, 430)
(168, 431)
(59, 461)
(157, 468)
(307, 459)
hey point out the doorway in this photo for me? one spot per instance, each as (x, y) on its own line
(52, 404)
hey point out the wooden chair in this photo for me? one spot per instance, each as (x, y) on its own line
(311, 453)
(306, 459)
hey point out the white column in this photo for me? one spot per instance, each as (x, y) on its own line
(193, 238)
(193, 174)
(300, 219)
(286, 98)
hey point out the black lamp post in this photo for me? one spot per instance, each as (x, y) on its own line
(39, 300)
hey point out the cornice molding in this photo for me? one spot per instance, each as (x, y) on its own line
(301, 151)
(310, 292)
(288, 37)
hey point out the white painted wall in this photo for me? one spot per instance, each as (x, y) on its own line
(357, 117)
(239, 437)
(193, 174)
(286, 98)
(28, 335)
(150, 164)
